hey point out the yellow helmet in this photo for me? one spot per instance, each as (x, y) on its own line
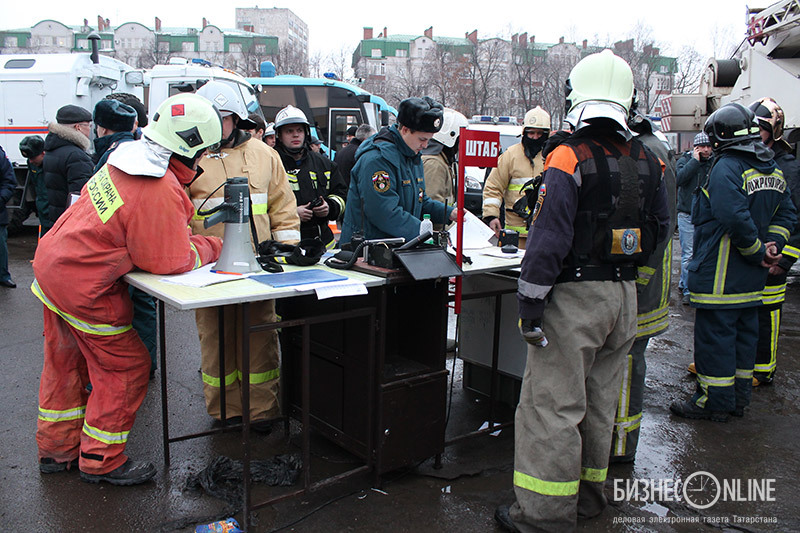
(185, 124)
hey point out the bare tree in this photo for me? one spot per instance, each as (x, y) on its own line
(338, 62)
(488, 74)
(445, 69)
(290, 60)
(690, 70)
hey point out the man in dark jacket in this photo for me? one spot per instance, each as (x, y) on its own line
(771, 119)
(692, 169)
(67, 166)
(346, 157)
(32, 148)
(114, 123)
(742, 220)
(7, 185)
(318, 187)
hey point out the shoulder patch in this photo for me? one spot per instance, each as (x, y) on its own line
(381, 182)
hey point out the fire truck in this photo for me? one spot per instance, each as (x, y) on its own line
(767, 63)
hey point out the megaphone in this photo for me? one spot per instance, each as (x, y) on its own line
(237, 249)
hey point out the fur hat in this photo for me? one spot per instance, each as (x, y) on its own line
(133, 101)
(31, 146)
(114, 115)
(72, 114)
(421, 114)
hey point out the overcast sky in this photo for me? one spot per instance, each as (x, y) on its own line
(332, 25)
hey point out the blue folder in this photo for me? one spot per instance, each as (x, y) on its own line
(300, 277)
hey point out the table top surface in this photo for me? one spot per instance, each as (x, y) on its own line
(247, 290)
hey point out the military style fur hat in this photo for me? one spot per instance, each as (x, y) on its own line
(421, 114)
(31, 146)
(114, 115)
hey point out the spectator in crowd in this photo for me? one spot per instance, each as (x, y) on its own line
(260, 126)
(269, 135)
(141, 111)
(691, 171)
(8, 182)
(67, 165)
(32, 148)
(114, 123)
(346, 157)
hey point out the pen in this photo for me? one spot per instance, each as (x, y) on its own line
(224, 272)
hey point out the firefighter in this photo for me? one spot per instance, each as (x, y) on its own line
(652, 302)
(387, 190)
(770, 119)
(132, 214)
(601, 210)
(274, 214)
(318, 187)
(743, 216)
(517, 166)
(439, 158)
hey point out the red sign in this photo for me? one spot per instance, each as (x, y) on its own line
(480, 148)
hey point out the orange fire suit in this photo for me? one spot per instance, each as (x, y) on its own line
(120, 223)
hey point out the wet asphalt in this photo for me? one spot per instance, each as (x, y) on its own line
(757, 451)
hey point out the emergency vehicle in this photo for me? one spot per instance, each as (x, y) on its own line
(330, 105)
(34, 86)
(766, 63)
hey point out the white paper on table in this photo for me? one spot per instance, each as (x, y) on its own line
(476, 233)
(495, 251)
(334, 289)
(201, 277)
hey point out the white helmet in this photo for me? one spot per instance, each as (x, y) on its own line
(227, 100)
(270, 130)
(537, 118)
(290, 115)
(600, 86)
(452, 121)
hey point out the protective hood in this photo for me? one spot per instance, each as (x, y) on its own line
(585, 113)
(758, 149)
(434, 148)
(141, 158)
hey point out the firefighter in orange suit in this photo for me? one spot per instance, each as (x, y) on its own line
(133, 213)
(274, 212)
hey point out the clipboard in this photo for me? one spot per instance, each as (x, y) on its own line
(299, 277)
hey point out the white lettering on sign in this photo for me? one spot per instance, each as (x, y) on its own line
(482, 148)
